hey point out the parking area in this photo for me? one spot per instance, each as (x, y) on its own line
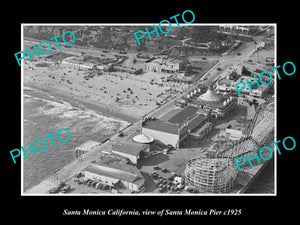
(164, 173)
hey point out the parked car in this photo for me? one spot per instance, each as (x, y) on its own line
(53, 190)
(170, 147)
(166, 151)
(154, 176)
(93, 183)
(157, 168)
(161, 190)
(165, 170)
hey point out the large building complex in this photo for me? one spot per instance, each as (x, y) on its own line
(219, 106)
(178, 124)
(169, 65)
(256, 91)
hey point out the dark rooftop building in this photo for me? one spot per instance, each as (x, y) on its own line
(183, 115)
(175, 126)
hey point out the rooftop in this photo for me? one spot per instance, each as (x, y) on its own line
(163, 126)
(254, 87)
(225, 81)
(210, 96)
(129, 148)
(183, 115)
(118, 171)
(196, 121)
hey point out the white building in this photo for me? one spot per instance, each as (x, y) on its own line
(132, 151)
(75, 62)
(177, 125)
(116, 174)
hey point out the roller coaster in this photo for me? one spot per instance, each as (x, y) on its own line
(259, 133)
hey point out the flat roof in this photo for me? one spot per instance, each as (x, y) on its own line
(196, 121)
(162, 126)
(174, 60)
(131, 148)
(225, 81)
(118, 171)
(250, 80)
(197, 132)
(170, 114)
(183, 114)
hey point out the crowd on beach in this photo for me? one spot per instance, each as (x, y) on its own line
(120, 91)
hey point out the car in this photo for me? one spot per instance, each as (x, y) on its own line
(154, 177)
(162, 189)
(53, 190)
(239, 53)
(170, 147)
(157, 168)
(165, 170)
(93, 183)
(166, 151)
(171, 178)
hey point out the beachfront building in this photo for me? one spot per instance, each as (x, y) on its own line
(160, 65)
(224, 85)
(116, 174)
(175, 126)
(234, 28)
(132, 151)
(219, 106)
(77, 62)
(256, 92)
(85, 147)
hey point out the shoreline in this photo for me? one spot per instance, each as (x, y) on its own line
(77, 101)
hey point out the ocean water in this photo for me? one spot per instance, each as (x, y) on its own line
(44, 114)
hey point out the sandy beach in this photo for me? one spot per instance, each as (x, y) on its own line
(119, 94)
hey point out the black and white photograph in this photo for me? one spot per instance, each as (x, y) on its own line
(168, 115)
(163, 117)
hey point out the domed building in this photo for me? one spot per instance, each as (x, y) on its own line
(209, 96)
(219, 106)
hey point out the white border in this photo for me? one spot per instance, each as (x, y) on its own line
(151, 24)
